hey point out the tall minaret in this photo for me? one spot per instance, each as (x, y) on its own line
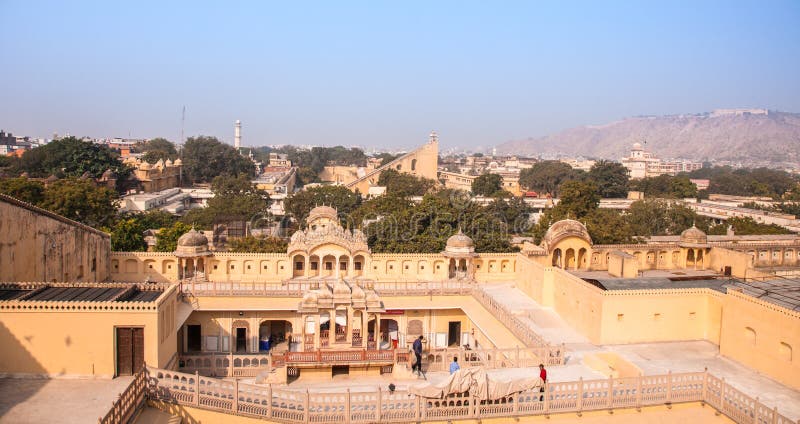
(237, 135)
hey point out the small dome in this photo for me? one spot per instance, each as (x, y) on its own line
(310, 298)
(193, 238)
(358, 293)
(322, 212)
(563, 229)
(460, 240)
(341, 289)
(178, 162)
(168, 162)
(145, 166)
(51, 179)
(693, 237)
(637, 146)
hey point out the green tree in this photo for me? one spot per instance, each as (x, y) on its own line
(578, 198)
(167, 239)
(234, 198)
(300, 204)
(82, 201)
(747, 226)
(403, 184)
(205, 158)
(127, 235)
(608, 226)
(546, 176)
(70, 157)
(681, 188)
(159, 148)
(252, 244)
(386, 158)
(23, 189)
(487, 185)
(611, 179)
(657, 217)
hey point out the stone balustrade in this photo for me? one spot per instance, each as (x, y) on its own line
(298, 287)
(301, 406)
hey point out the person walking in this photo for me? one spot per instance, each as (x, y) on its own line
(543, 376)
(454, 365)
(417, 348)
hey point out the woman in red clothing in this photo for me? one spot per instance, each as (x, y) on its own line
(543, 376)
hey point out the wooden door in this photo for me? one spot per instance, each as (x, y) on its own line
(130, 350)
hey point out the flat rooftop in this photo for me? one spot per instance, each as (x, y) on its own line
(77, 293)
(784, 292)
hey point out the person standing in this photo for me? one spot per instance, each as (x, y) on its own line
(543, 376)
(454, 365)
(417, 347)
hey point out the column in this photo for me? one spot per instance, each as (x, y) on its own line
(377, 331)
(332, 327)
(349, 330)
(364, 332)
(306, 265)
(351, 269)
(318, 328)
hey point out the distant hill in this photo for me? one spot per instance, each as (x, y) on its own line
(750, 136)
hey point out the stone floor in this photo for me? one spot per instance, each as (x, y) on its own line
(651, 358)
(66, 401)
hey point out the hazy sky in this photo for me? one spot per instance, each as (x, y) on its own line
(380, 73)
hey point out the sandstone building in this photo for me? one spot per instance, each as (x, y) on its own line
(226, 335)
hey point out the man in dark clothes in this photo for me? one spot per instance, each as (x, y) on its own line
(417, 348)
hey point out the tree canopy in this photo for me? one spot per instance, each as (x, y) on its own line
(251, 244)
(487, 185)
(167, 240)
(747, 226)
(82, 201)
(158, 148)
(71, 157)
(546, 176)
(403, 184)
(747, 182)
(300, 204)
(611, 179)
(234, 198)
(205, 158)
(24, 189)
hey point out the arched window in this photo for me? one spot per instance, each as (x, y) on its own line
(413, 164)
(785, 351)
(750, 335)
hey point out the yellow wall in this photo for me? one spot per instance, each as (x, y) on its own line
(66, 341)
(762, 336)
(37, 245)
(276, 267)
(641, 316)
(738, 261)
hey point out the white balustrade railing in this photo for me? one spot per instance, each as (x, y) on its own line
(547, 353)
(301, 406)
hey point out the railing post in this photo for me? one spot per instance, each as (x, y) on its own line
(722, 395)
(610, 392)
(515, 410)
(230, 365)
(774, 415)
(704, 394)
(378, 402)
(639, 392)
(755, 411)
(347, 407)
(269, 397)
(546, 398)
(669, 386)
(306, 402)
(196, 388)
(418, 411)
(236, 396)
(579, 402)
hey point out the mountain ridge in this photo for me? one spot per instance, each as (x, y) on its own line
(737, 135)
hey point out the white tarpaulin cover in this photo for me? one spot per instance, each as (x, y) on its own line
(478, 383)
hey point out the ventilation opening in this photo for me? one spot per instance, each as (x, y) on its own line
(340, 370)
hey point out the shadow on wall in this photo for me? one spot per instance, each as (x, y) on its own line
(14, 391)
